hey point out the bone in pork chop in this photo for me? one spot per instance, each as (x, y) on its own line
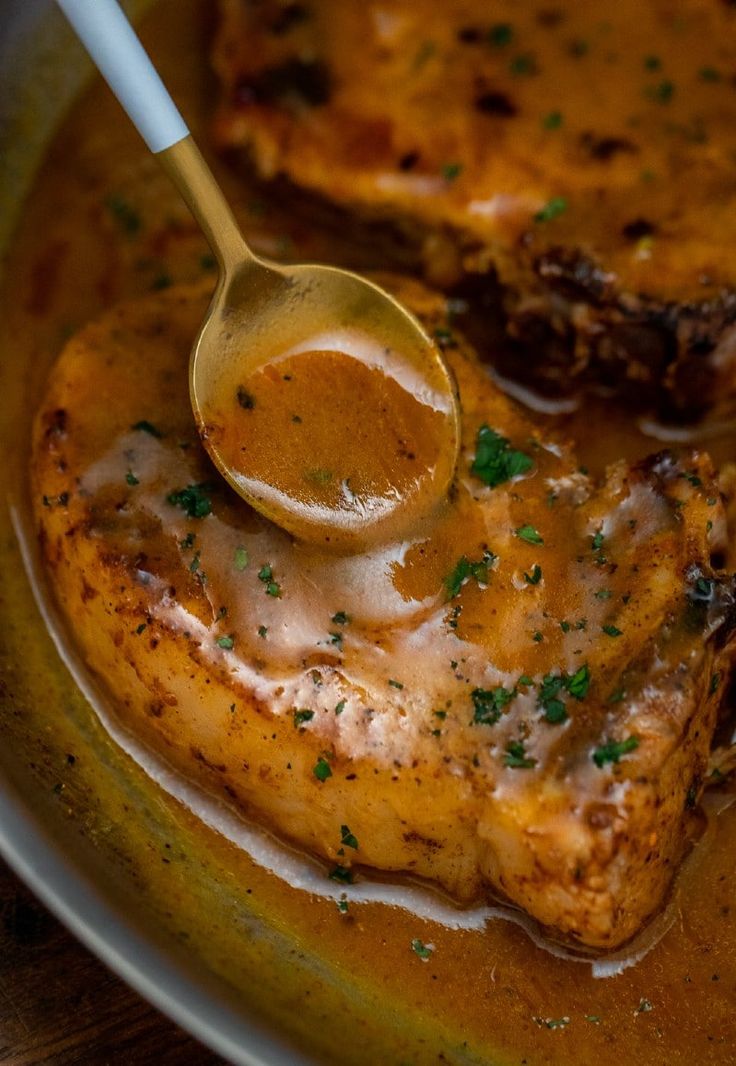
(574, 161)
(519, 700)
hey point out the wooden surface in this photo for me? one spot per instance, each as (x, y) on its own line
(60, 1006)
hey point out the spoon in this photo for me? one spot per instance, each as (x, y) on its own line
(321, 400)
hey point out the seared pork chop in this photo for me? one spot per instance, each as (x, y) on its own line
(575, 158)
(519, 700)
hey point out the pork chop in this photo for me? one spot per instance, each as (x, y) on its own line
(519, 700)
(573, 161)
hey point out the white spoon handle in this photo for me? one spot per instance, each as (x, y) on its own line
(111, 41)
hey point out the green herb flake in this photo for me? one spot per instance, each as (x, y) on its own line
(341, 618)
(579, 683)
(645, 1006)
(194, 565)
(488, 704)
(500, 34)
(341, 874)
(302, 716)
(661, 93)
(594, 1019)
(611, 630)
(131, 479)
(551, 210)
(322, 769)
(523, 65)
(552, 1023)
(347, 838)
(452, 171)
(529, 534)
(603, 594)
(227, 643)
(395, 684)
(709, 74)
(552, 121)
(342, 905)
(340, 707)
(548, 695)
(140, 628)
(613, 750)
(495, 460)
(262, 631)
(193, 500)
(535, 577)
(714, 683)
(265, 574)
(565, 626)
(240, 559)
(516, 757)
(537, 637)
(424, 951)
(126, 216)
(144, 426)
(465, 569)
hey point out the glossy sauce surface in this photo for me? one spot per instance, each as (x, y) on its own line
(492, 991)
(336, 437)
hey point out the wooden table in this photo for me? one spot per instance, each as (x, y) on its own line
(60, 1006)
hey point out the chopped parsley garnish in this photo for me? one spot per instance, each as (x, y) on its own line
(596, 542)
(424, 951)
(552, 209)
(228, 643)
(465, 569)
(347, 838)
(342, 875)
(144, 426)
(714, 683)
(302, 716)
(341, 619)
(644, 1007)
(126, 216)
(500, 34)
(529, 534)
(194, 565)
(552, 121)
(342, 905)
(340, 707)
(611, 630)
(709, 74)
(262, 631)
(704, 588)
(451, 171)
(554, 709)
(516, 757)
(603, 594)
(579, 683)
(612, 750)
(495, 460)
(322, 770)
(661, 93)
(141, 627)
(537, 637)
(535, 577)
(524, 64)
(265, 574)
(240, 560)
(245, 399)
(193, 500)
(488, 704)
(131, 479)
(552, 687)
(395, 684)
